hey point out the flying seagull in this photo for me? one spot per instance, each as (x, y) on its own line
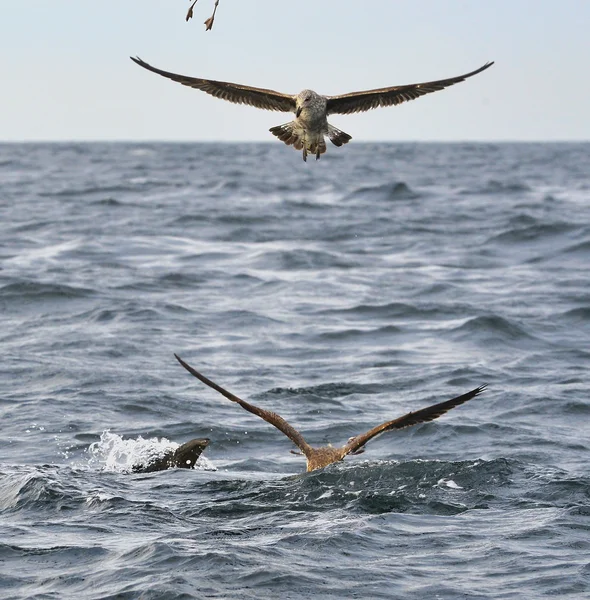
(318, 458)
(311, 109)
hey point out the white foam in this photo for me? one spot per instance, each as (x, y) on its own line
(113, 453)
(448, 483)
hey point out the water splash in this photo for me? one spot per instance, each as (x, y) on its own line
(115, 454)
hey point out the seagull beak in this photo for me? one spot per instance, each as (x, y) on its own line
(298, 111)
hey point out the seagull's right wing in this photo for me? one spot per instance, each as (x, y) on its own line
(232, 92)
(391, 96)
(267, 415)
(413, 418)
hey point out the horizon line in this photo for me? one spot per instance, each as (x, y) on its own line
(357, 141)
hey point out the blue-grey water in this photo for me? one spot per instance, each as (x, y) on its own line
(338, 293)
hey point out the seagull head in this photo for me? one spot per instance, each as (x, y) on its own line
(303, 100)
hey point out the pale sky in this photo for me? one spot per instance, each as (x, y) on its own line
(65, 72)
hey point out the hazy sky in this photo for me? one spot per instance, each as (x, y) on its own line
(65, 72)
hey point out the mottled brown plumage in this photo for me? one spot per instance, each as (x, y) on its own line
(326, 455)
(307, 131)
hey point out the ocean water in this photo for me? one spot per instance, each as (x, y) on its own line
(340, 294)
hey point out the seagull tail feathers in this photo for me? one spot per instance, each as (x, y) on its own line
(338, 137)
(288, 133)
(292, 134)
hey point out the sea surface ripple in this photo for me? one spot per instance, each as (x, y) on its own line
(338, 293)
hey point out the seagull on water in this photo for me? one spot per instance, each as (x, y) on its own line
(311, 109)
(317, 458)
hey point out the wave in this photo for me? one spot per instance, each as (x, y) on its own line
(582, 248)
(495, 188)
(577, 315)
(491, 328)
(398, 190)
(87, 190)
(323, 391)
(300, 259)
(358, 334)
(24, 291)
(537, 232)
(397, 310)
(374, 487)
(111, 202)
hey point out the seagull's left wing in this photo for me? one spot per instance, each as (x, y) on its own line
(391, 96)
(267, 415)
(232, 92)
(420, 416)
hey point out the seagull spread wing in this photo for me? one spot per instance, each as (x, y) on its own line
(232, 92)
(391, 96)
(420, 416)
(267, 415)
